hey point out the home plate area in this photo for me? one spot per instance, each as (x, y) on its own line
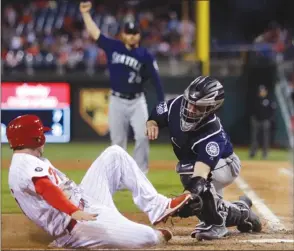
(267, 239)
(32, 238)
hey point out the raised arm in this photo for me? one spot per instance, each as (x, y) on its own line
(106, 43)
(91, 27)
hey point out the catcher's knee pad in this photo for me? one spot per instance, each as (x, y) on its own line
(212, 212)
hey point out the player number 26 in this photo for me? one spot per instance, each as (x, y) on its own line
(134, 78)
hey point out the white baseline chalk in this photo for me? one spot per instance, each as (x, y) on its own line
(287, 171)
(272, 220)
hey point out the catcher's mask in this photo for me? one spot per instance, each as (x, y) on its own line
(202, 97)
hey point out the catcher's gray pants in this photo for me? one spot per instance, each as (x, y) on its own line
(122, 114)
(225, 172)
(262, 126)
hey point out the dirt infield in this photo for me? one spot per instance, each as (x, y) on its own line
(268, 180)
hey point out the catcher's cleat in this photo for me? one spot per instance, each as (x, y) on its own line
(211, 232)
(174, 206)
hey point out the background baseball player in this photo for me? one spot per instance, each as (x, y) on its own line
(129, 66)
(206, 157)
(84, 215)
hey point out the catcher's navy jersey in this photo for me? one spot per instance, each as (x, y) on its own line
(128, 69)
(207, 144)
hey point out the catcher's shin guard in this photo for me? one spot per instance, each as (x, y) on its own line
(213, 216)
(226, 214)
(241, 215)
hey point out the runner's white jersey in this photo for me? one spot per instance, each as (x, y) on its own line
(22, 169)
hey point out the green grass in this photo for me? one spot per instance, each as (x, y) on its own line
(165, 181)
(92, 150)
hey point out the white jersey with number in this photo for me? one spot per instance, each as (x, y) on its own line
(24, 167)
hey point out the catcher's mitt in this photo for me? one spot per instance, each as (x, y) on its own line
(192, 208)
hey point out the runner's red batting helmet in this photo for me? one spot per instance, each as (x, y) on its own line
(26, 131)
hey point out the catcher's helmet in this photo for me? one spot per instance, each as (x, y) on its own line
(26, 131)
(201, 98)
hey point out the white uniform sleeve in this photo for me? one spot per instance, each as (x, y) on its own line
(32, 167)
(36, 168)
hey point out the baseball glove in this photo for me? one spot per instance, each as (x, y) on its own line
(192, 208)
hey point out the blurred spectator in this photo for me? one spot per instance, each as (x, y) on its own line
(174, 22)
(91, 53)
(262, 114)
(16, 42)
(10, 15)
(262, 64)
(129, 16)
(273, 40)
(49, 38)
(186, 29)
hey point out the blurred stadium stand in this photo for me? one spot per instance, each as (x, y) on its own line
(49, 35)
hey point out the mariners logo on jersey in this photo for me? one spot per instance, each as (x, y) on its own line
(212, 148)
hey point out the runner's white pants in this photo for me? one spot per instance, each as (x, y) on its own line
(113, 169)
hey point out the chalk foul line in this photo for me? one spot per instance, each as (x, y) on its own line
(272, 220)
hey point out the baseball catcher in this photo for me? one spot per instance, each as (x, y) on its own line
(207, 162)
